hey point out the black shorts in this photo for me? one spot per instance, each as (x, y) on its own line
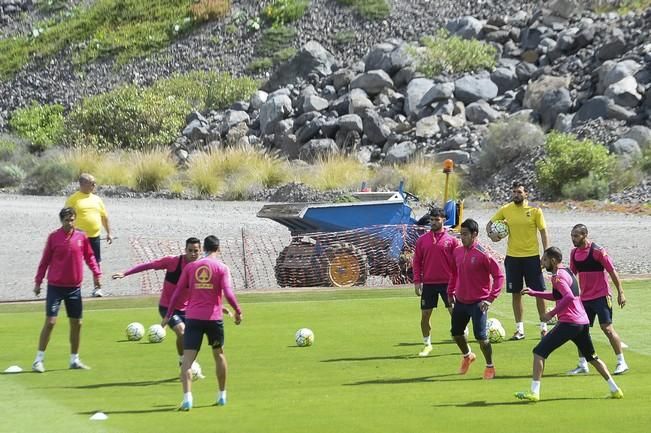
(461, 315)
(430, 297)
(561, 334)
(600, 307)
(527, 268)
(95, 245)
(71, 297)
(196, 329)
(177, 317)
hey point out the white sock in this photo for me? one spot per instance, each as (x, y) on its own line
(583, 362)
(519, 326)
(74, 357)
(427, 340)
(181, 359)
(221, 394)
(40, 356)
(543, 326)
(620, 359)
(465, 355)
(612, 385)
(187, 397)
(535, 386)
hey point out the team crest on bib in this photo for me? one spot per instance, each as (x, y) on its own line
(202, 277)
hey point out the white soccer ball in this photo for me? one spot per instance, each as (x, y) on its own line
(155, 334)
(495, 330)
(196, 371)
(135, 331)
(500, 228)
(304, 337)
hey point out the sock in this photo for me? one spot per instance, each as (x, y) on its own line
(543, 326)
(427, 340)
(535, 386)
(187, 397)
(180, 359)
(519, 326)
(612, 385)
(40, 356)
(489, 365)
(620, 359)
(465, 355)
(221, 394)
(74, 357)
(583, 362)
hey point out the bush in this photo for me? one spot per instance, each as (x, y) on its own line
(281, 12)
(49, 177)
(42, 125)
(152, 169)
(645, 162)
(205, 10)
(451, 54)
(11, 175)
(335, 172)
(507, 142)
(568, 160)
(427, 181)
(274, 40)
(587, 188)
(7, 149)
(369, 9)
(259, 64)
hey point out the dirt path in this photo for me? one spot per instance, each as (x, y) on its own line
(27, 220)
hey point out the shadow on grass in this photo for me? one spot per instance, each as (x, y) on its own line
(155, 409)
(116, 384)
(434, 343)
(448, 377)
(515, 402)
(383, 358)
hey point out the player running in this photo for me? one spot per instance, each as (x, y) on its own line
(173, 266)
(572, 325)
(204, 283)
(591, 262)
(431, 265)
(471, 294)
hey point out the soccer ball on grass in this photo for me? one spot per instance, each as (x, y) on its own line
(135, 331)
(500, 229)
(304, 337)
(155, 334)
(196, 371)
(495, 330)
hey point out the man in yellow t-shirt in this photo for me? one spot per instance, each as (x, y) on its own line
(91, 216)
(522, 252)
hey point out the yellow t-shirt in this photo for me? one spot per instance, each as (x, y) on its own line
(524, 222)
(90, 210)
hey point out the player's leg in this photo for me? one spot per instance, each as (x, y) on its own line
(52, 305)
(428, 301)
(96, 246)
(179, 329)
(514, 276)
(192, 339)
(216, 340)
(604, 307)
(582, 366)
(176, 324)
(74, 309)
(479, 319)
(534, 279)
(584, 343)
(459, 320)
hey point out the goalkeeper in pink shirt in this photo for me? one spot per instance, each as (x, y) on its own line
(204, 283)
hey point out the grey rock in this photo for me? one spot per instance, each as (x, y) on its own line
(372, 82)
(564, 122)
(288, 145)
(276, 108)
(358, 102)
(593, 108)
(427, 127)
(351, 122)
(416, 89)
(342, 78)
(306, 117)
(466, 27)
(438, 92)
(457, 156)
(374, 127)
(316, 149)
(403, 76)
(614, 47)
(524, 71)
(314, 103)
(195, 115)
(505, 78)
(564, 8)
(470, 88)
(311, 59)
(627, 147)
(554, 102)
(310, 130)
(400, 153)
(537, 89)
(481, 112)
(611, 72)
(641, 135)
(454, 142)
(624, 92)
(348, 140)
(232, 118)
(620, 113)
(258, 99)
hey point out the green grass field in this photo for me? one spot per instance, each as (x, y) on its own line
(361, 375)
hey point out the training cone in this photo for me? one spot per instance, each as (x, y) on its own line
(13, 369)
(99, 416)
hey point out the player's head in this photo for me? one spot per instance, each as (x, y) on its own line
(552, 258)
(87, 183)
(579, 235)
(67, 216)
(469, 232)
(211, 244)
(192, 249)
(519, 192)
(437, 218)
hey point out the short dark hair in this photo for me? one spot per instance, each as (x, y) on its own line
(437, 212)
(66, 212)
(192, 241)
(554, 253)
(581, 228)
(211, 244)
(518, 184)
(471, 225)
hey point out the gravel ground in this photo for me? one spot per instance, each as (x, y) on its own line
(28, 220)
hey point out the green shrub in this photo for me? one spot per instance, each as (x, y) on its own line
(152, 169)
(11, 175)
(587, 188)
(281, 12)
(275, 39)
(49, 177)
(645, 161)
(42, 125)
(506, 142)
(259, 64)
(223, 90)
(369, 9)
(7, 149)
(444, 53)
(283, 55)
(204, 10)
(568, 160)
(345, 37)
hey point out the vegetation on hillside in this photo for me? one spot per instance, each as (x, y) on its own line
(369, 9)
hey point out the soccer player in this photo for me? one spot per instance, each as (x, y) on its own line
(591, 262)
(471, 293)
(572, 325)
(522, 252)
(173, 266)
(91, 216)
(431, 265)
(204, 282)
(65, 251)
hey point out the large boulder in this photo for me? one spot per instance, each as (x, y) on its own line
(374, 127)
(400, 153)
(276, 108)
(593, 108)
(641, 135)
(471, 88)
(312, 58)
(467, 27)
(481, 112)
(372, 82)
(624, 92)
(389, 57)
(317, 149)
(537, 89)
(416, 90)
(554, 102)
